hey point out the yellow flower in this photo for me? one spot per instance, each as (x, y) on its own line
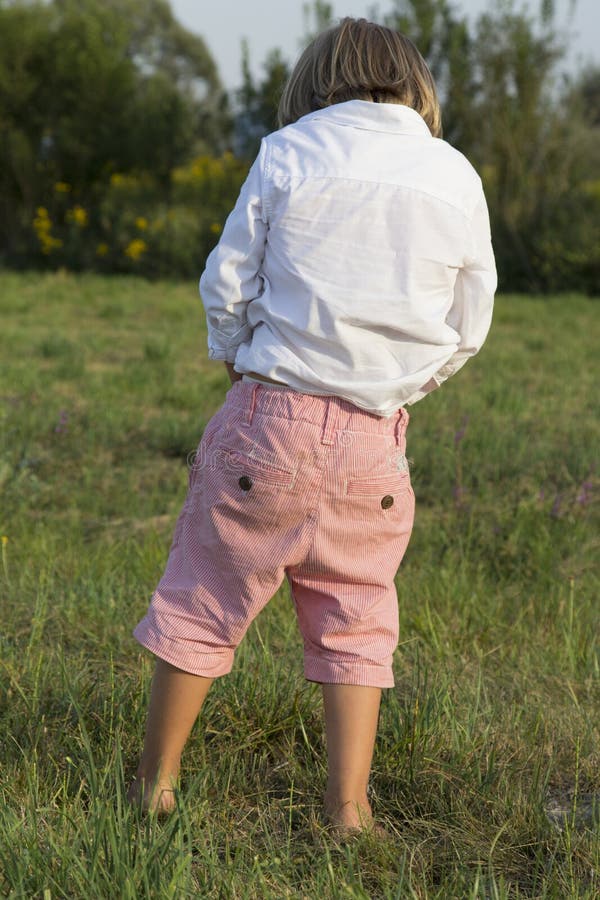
(102, 249)
(215, 228)
(141, 223)
(117, 179)
(203, 168)
(61, 187)
(4, 540)
(135, 249)
(49, 244)
(78, 215)
(42, 227)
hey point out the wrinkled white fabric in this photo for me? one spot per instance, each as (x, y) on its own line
(357, 260)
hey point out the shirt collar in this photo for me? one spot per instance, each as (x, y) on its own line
(391, 117)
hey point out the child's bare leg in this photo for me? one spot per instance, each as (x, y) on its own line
(351, 717)
(176, 699)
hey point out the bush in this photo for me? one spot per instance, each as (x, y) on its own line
(136, 225)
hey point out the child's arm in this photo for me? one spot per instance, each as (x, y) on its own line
(231, 277)
(471, 311)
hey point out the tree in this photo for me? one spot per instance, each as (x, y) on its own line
(584, 93)
(91, 87)
(321, 14)
(257, 102)
(444, 39)
(503, 108)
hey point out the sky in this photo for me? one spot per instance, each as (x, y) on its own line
(280, 23)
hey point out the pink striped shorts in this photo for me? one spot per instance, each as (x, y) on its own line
(293, 485)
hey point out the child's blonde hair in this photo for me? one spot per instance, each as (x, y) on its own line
(360, 60)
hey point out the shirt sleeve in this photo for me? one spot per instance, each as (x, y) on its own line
(231, 278)
(471, 311)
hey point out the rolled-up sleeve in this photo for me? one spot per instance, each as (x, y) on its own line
(231, 278)
(471, 311)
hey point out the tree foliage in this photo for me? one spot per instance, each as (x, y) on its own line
(108, 107)
(257, 101)
(91, 87)
(533, 144)
(533, 140)
(317, 17)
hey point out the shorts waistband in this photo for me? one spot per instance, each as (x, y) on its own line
(331, 412)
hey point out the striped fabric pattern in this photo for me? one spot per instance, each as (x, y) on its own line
(297, 486)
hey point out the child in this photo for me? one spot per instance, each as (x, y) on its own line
(354, 275)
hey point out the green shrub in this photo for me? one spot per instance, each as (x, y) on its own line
(138, 225)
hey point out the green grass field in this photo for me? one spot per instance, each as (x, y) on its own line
(487, 765)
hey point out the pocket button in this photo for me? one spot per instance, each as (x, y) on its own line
(245, 483)
(387, 501)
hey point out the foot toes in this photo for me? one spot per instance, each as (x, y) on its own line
(159, 800)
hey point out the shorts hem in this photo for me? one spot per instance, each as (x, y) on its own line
(359, 674)
(209, 665)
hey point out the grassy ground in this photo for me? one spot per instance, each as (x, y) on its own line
(488, 758)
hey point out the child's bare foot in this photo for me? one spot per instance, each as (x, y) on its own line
(157, 798)
(350, 818)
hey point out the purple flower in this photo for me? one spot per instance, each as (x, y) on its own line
(461, 431)
(62, 421)
(584, 494)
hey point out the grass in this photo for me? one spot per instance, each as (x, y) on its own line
(487, 765)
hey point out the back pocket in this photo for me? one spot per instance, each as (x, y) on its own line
(379, 485)
(253, 466)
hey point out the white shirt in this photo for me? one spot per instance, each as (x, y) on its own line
(357, 260)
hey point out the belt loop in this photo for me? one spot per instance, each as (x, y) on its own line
(331, 416)
(252, 407)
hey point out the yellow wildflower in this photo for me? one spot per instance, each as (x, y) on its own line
(61, 187)
(135, 249)
(203, 168)
(215, 228)
(141, 223)
(42, 227)
(78, 215)
(117, 179)
(49, 244)
(4, 540)
(102, 249)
